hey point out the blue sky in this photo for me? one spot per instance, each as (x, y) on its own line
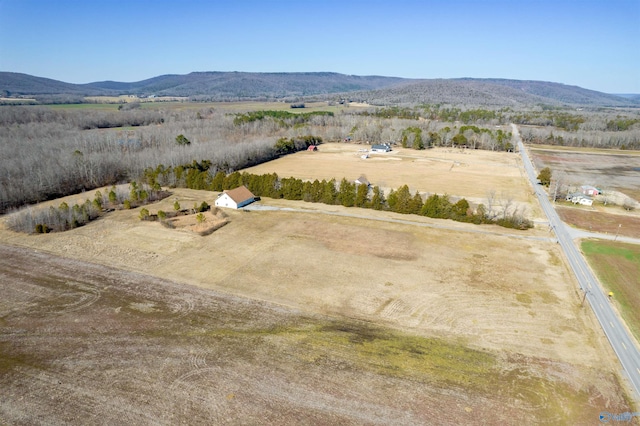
(592, 44)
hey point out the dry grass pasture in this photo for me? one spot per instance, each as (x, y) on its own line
(463, 173)
(83, 343)
(292, 317)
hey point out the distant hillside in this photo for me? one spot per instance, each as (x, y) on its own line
(209, 85)
(16, 84)
(490, 92)
(561, 92)
(634, 96)
(230, 85)
(222, 86)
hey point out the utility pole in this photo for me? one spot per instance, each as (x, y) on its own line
(617, 232)
(584, 297)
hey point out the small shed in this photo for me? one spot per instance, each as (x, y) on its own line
(235, 198)
(362, 180)
(312, 148)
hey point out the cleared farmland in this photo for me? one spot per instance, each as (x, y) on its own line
(363, 305)
(84, 343)
(306, 317)
(465, 173)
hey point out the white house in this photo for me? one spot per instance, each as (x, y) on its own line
(579, 198)
(235, 198)
(586, 201)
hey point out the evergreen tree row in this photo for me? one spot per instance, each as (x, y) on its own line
(345, 193)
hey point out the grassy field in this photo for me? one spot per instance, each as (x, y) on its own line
(617, 266)
(100, 107)
(306, 313)
(468, 173)
(83, 343)
(112, 103)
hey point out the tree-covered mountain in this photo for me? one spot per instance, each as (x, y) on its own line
(17, 84)
(219, 86)
(490, 92)
(209, 85)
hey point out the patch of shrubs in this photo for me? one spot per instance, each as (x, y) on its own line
(64, 217)
(162, 216)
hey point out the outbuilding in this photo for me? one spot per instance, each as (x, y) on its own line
(381, 148)
(579, 198)
(586, 201)
(362, 180)
(589, 190)
(235, 198)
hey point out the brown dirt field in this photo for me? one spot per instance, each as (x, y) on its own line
(608, 170)
(82, 343)
(485, 287)
(465, 173)
(601, 219)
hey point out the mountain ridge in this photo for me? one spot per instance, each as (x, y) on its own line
(236, 85)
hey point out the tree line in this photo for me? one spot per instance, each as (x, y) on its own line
(65, 217)
(284, 118)
(49, 152)
(199, 175)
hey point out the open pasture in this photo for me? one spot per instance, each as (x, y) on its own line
(476, 324)
(617, 266)
(472, 174)
(82, 343)
(495, 288)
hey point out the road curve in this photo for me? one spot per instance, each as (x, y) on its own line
(622, 343)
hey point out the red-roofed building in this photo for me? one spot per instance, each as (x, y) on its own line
(235, 198)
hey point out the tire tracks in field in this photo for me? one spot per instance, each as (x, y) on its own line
(260, 207)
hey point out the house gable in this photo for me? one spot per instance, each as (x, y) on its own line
(235, 198)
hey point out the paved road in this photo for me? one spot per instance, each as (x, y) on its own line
(580, 233)
(623, 345)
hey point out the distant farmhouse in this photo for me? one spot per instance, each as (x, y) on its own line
(381, 148)
(235, 198)
(580, 198)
